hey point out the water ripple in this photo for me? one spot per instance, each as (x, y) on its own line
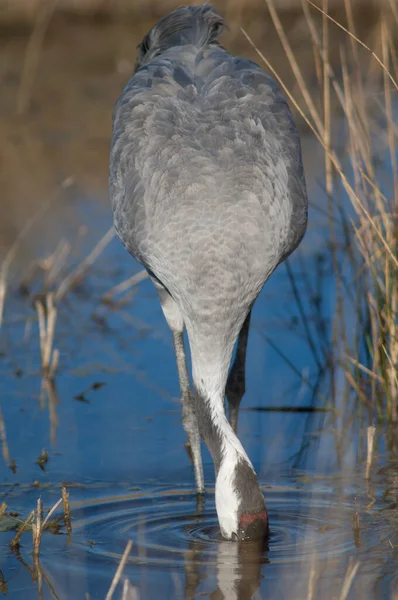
(165, 525)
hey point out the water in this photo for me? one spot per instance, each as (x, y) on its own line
(111, 423)
(178, 549)
(114, 436)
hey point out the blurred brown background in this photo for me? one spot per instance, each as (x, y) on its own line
(63, 64)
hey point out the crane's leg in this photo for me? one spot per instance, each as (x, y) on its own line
(189, 421)
(176, 323)
(235, 387)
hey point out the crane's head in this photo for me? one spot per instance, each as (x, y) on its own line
(240, 505)
(194, 25)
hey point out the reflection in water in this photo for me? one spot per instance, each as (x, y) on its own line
(238, 566)
(238, 569)
(49, 391)
(313, 535)
(317, 540)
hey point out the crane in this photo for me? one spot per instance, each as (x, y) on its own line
(208, 194)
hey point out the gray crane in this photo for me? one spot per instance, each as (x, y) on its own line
(208, 194)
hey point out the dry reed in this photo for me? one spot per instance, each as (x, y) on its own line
(15, 542)
(3, 508)
(47, 316)
(369, 357)
(126, 285)
(39, 524)
(129, 592)
(119, 570)
(32, 55)
(3, 440)
(348, 579)
(370, 443)
(67, 515)
(76, 275)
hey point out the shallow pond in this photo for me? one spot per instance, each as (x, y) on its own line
(112, 430)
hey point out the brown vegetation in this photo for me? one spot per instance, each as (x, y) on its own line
(27, 11)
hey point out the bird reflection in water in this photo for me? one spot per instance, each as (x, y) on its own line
(238, 564)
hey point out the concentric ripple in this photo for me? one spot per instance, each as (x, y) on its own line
(167, 525)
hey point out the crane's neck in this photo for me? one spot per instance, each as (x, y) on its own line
(223, 444)
(237, 490)
(211, 357)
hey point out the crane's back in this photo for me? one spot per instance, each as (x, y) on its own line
(206, 175)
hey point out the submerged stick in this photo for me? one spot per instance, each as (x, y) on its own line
(119, 571)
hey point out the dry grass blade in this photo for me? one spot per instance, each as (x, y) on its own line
(3, 289)
(3, 439)
(42, 328)
(51, 317)
(358, 41)
(295, 67)
(129, 592)
(50, 514)
(47, 319)
(3, 507)
(348, 579)
(370, 443)
(364, 369)
(119, 571)
(12, 252)
(126, 285)
(32, 56)
(56, 262)
(389, 107)
(14, 544)
(312, 580)
(53, 367)
(81, 269)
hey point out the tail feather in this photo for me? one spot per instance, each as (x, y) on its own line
(196, 25)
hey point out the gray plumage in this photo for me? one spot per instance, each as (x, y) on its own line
(207, 190)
